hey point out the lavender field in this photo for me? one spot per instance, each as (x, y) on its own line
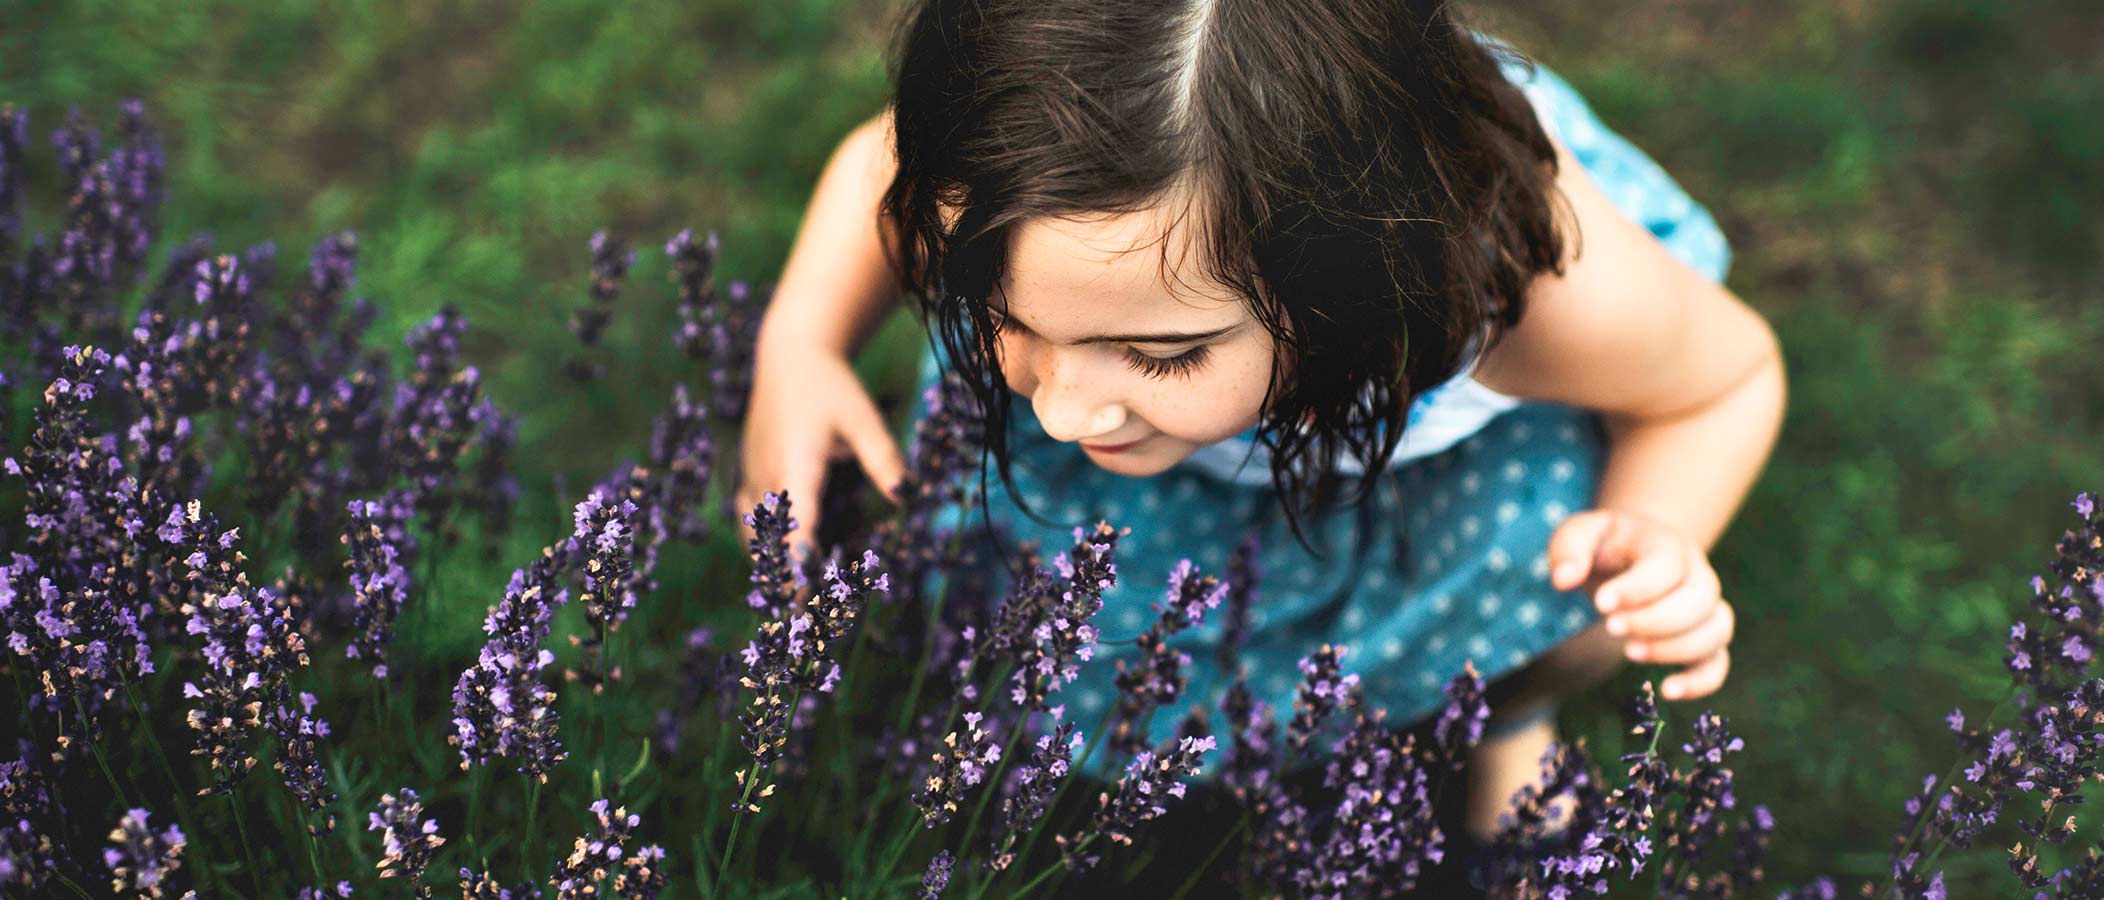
(369, 425)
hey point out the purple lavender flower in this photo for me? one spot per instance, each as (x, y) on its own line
(693, 268)
(502, 706)
(1383, 830)
(340, 890)
(683, 456)
(298, 761)
(482, 886)
(141, 859)
(776, 580)
(592, 855)
(379, 582)
(224, 293)
(937, 878)
(494, 488)
(408, 842)
(1460, 725)
(1252, 751)
(1242, 578)
(715, 327)
(611, 258)
(1149, 782)
(1323, 688)
(248, 641)
(642, 875)
(604, 532)
(1065, 636)
(435, 413)
(944, 453)
(1036, 780)
(1157, 680)
(698, 678)
(965, 759)
(791, 653)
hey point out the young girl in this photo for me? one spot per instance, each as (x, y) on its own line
(1341, 274)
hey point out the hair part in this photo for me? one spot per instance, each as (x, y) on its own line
(1360, 172)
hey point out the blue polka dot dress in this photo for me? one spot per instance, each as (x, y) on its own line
(1446, 562)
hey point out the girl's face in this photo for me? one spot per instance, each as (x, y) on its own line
(1137, 362)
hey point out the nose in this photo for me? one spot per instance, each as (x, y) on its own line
(1067, 407)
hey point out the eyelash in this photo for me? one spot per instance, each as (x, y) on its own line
(1157, 367)
(1151, 366)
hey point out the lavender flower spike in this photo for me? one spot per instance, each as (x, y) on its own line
(379, 582)
(605, 532)
(577, 877)
(141, 860)
(937, 878)
(408, 842)
(776, 580)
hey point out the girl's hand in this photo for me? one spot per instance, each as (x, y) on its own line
(1657, 591)
(807, 407)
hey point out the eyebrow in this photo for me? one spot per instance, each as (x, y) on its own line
(1165, 337)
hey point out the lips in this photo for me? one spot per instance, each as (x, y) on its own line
(1110, 448)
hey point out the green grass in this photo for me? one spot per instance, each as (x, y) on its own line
(1907, 186)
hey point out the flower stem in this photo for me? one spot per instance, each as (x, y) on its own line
(1050, 870)
(248, 854)
(61, 876)
(95, 747)
(1225, 839)
(529, 841)
(752, 777)
(313, 852)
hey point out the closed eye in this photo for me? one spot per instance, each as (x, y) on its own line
(1164, 367)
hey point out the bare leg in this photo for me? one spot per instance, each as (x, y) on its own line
(1505, 763)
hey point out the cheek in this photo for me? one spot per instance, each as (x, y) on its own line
(1218, 403)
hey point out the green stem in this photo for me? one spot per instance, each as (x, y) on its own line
(313, 853)
(891, 858)
(475, 812)
(529, 841)
(1050, 870)
(752, 777)
(95, 747)
(248, 854)
(176, 791)
(61, 876)
(1219, 848)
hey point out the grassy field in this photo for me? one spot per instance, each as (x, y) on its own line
(1905, 185)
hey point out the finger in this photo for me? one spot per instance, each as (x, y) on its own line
(870, 438)
(1699, 680)
(1696, 643)
(1681, 609)
(1573, 546)
(1661, 566)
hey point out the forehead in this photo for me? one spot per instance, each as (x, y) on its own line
(1085, 269)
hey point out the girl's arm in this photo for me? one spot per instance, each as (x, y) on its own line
(837, 285)
(807, 405)
(1688, 379)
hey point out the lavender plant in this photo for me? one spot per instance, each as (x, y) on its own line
(210, 445)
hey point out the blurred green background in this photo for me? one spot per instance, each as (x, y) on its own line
(1904, 185)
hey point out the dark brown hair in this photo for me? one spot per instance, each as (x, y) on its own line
(1367, 179)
